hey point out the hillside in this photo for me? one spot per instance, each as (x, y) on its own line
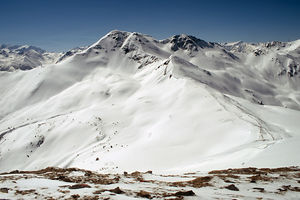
(130, 102)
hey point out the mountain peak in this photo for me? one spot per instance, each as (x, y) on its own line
(116, 32)
(187, 42)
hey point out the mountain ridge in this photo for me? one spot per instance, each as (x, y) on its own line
(135, 103)
(182, 41)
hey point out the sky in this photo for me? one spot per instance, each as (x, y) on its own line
(59, 25)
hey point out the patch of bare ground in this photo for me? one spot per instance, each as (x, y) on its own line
(63, 191)
(255, 175)
(196, 183)
(253, 170)
(280, 169)
(79, 186)
(144, 194)
(190, 173)
(91, 197)
(138, 176)
(116, 190)
(177, 195)
(63, 174)
(185, 193)
(75, 196)
(174, 198)
(151, 188)
(25, 192)
(232, 187)
(249, 170)
(4, 190)
(285, 188)
(263, 178)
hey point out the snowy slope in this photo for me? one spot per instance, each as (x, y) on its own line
(131, 102)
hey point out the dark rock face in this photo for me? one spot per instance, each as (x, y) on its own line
(185, 193)
(186, 42)
(232, 187)
(79, 186)
(119, 37)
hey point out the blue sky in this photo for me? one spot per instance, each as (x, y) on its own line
(58, 25)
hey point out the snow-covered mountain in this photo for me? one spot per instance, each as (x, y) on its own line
(24, 57)
(131, 102)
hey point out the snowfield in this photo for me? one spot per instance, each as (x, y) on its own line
(73, 183)
(131, 103)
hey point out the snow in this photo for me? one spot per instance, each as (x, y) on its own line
(24, 57)
(129, 102)
(249, 183)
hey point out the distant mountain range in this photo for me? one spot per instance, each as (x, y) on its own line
(24, 57)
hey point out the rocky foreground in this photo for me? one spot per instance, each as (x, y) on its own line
(74, 183)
